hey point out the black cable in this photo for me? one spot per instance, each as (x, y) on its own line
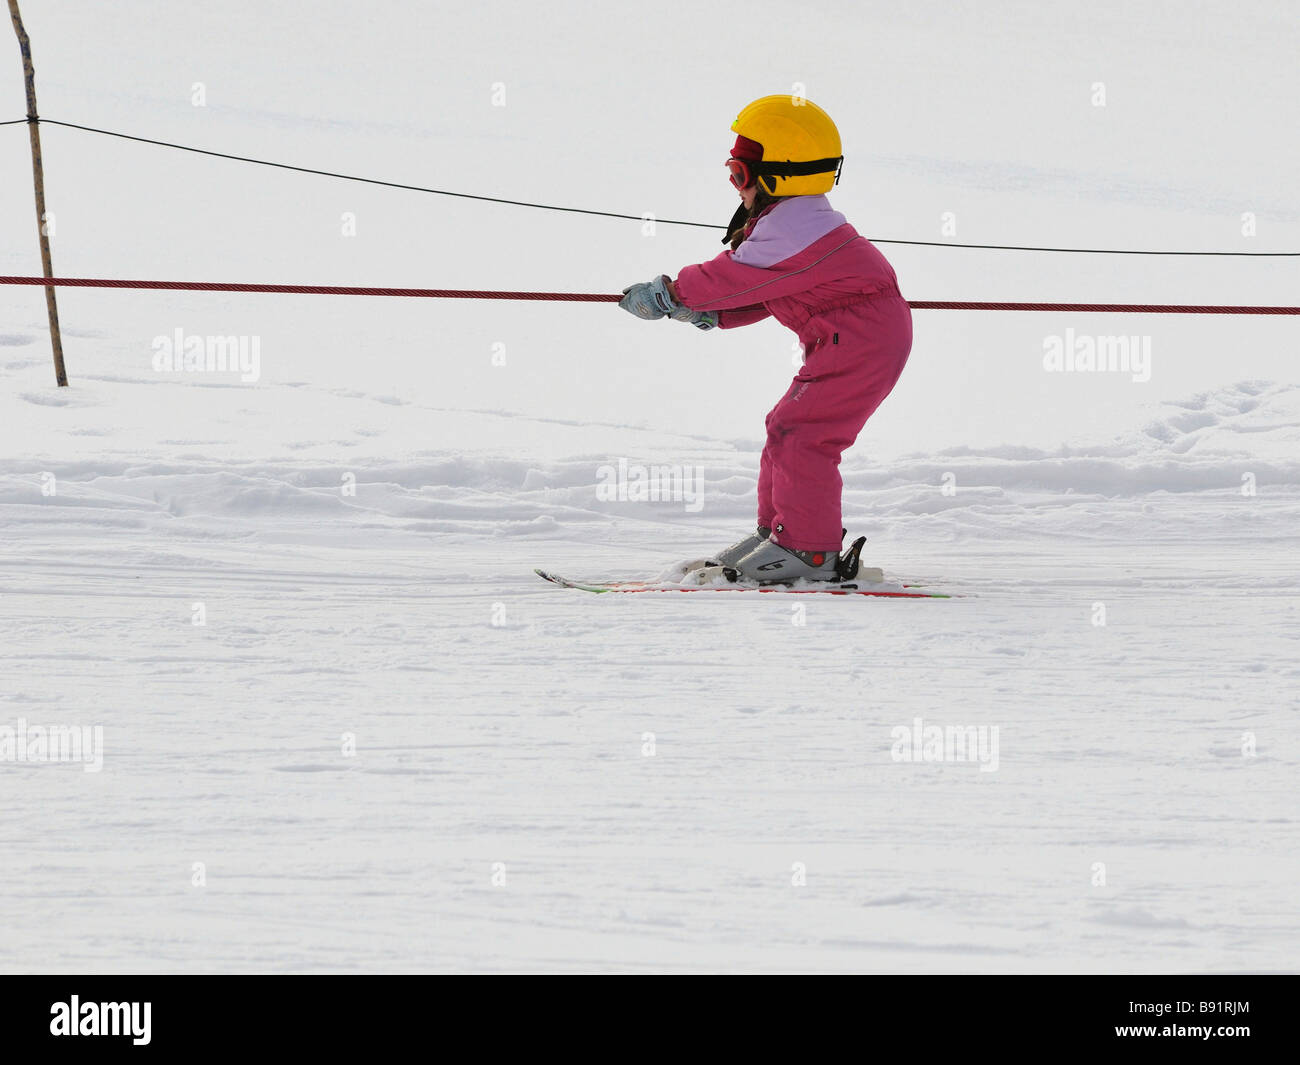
(1088, 251)
(633, 217)
(369, 181)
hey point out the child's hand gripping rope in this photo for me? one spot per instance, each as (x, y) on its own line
(652, 299)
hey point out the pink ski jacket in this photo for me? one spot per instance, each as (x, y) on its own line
(800, 260)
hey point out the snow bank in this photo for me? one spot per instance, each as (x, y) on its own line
(342, 464)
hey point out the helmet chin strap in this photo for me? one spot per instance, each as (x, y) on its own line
(737, 220)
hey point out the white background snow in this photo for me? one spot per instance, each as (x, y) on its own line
(501, 812)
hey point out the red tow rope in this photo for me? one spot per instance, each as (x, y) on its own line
(600, 297)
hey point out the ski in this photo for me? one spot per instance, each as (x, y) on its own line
(849, 588)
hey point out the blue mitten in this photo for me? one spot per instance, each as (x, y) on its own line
(649, 299)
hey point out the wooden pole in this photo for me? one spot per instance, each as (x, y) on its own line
(38, 180)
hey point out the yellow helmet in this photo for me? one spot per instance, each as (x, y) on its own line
(801, 146)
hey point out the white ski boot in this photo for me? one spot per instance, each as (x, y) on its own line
(770, 563)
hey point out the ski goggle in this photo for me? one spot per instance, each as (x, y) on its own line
(741, 176)
(744, 174)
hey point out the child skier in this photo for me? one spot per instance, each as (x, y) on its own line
(796, 259)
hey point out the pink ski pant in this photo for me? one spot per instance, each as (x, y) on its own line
(853, 357)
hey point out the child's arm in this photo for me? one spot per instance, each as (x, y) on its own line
(730, 319)
(742, 316)
(722, 284)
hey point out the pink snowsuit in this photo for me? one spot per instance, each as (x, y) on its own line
(804, 265)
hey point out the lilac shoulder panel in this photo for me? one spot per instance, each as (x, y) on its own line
(786, 230)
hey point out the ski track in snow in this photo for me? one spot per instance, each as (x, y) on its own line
(501, 720)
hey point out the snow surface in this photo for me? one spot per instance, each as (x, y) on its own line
(503, 811)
